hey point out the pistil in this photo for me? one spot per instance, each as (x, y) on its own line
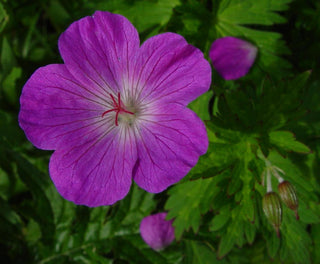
(117, 108)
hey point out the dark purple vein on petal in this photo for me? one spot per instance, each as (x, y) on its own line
(147, 149)
(81, 96)
(82, 127)
(157, 85)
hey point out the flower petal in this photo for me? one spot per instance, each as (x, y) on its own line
(170, 69)
(169, 145)
(156, 231)
(98, 172)
(55, 108)
(232, 57)
(97, 50)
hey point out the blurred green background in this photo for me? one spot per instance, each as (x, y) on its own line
(271, 114)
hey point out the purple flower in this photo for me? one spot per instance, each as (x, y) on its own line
(156, 231)
(232, 57)
(115, 111)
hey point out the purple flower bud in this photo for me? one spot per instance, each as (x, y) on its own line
(271, 205)
(157, 232)
(232, 57)
(289, 196)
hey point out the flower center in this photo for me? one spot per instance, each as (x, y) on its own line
(118, 108)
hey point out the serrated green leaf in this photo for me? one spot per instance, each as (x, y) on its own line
(287, 141)
(225, 148)
(221, 219)
(226, 244)
(234, 234)
(252, 12)
(296, 239)
(188, 201)
(299, 81)
(144, 15)
(250, 232)
(234, 14)
(273, 244)
(308, 215)
(298, 178)
(247, 208)
(196, 19)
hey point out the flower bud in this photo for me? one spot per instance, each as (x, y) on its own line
(271, 205)
(289, 196)
(156, 231)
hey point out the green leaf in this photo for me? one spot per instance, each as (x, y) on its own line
(10, 223)
(201, 105)
(8, 60)
(3, 18)
(188, 201)
(126, 248)
(57, 13)
(33, 232)
(309, 215)
(315, 231)
(200, 253)
(221, 219)
(300, 179)
(286, 140)
(9, 130)
(37, 184)
(250, 232)
(144, 15)
(226, 244)
(9, 85)
(296, 239)
(233, 17)
(225, 147)
(233, 235)
(244, 12)
(197, 27)
(273, 244)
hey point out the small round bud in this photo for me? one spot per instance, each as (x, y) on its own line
(271, 205)
(289, 196)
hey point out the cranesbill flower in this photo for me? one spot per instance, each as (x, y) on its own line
(116, 111)
(232, 57)
(156, 231)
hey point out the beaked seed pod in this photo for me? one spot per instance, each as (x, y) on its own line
(289, 196)
(271, 205)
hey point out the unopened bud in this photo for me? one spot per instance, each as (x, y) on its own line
(271, 205)
(289, 196)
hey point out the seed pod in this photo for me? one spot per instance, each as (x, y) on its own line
(271, 205)
(289, 196)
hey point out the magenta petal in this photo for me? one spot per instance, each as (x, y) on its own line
(97, 49)
(156, 231)
(96, 173)
(169, 145)
(232, 57)
(171, 70)
(54, 107)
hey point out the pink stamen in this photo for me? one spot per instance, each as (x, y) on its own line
(117, 108)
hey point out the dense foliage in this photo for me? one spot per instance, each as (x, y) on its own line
(267, 121)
